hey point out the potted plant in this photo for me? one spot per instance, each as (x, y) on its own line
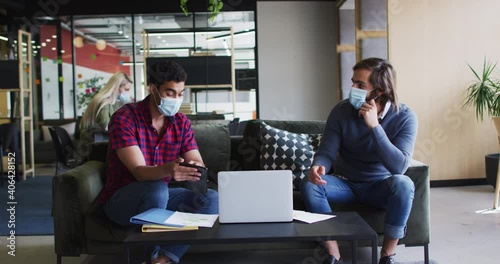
(483, 96)
(214, 7)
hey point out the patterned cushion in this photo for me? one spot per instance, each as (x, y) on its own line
(284, 150)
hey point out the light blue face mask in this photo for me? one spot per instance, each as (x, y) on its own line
(357, 97)
(125, 97)
(169, 106)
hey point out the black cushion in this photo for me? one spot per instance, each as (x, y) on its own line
(250, 146)
(284, 150)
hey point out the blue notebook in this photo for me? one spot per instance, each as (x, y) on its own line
(155, 216)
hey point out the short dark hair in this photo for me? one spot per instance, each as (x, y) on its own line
(382, 77)
(163, 71)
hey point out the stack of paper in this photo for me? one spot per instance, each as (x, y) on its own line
(164, 228)
(161, 220)
(310, 217)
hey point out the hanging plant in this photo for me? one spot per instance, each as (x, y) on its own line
(214, 7)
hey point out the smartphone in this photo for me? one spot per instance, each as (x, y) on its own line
(199, 186)
(185, 164)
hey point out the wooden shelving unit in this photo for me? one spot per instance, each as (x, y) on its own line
(198, 88)
(24, 96)
(26, 90)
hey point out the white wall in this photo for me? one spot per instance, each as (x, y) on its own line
(50, 87)
(430, 44)
(296, 59)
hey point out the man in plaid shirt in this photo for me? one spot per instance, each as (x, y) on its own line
(147, 142)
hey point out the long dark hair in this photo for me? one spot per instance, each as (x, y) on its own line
(382, 77)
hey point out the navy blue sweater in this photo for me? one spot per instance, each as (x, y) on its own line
(351, 149)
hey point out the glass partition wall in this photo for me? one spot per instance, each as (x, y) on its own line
(78, 54)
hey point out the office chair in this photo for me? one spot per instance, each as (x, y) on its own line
(233, 126)
(66, 154)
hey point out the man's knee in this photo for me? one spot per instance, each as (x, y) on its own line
(403, 184)
(212, 196)
(156, 191)
(210, 203)
(306, 185)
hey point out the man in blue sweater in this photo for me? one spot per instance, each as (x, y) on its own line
(366, 147)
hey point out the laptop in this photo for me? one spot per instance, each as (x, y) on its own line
(255, 196)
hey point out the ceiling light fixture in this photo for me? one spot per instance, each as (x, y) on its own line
(132, 64)
(165, 50)
(241, 33)
(100, 44)
(80, 33)
(183, 33)
(228, 53)
(78, 42)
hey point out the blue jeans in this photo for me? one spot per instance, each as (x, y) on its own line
(394, 193)
(138, 197)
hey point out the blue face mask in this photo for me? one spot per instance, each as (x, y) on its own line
(169, 106)
(125, 97)
(357, 97)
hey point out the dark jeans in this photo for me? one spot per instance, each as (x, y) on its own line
(138, 197)
(394, 193)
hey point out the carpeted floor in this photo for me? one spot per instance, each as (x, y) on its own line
(33, 209)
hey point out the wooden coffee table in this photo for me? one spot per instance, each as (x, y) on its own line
(346, 226)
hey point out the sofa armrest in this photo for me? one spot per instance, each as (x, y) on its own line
(72, 194)
(418, 225)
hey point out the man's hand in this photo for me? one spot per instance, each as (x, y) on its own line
(369, 112)
(181, 173)
(315, 175)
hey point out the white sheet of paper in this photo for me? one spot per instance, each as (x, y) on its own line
(189, 219)
(310, 217)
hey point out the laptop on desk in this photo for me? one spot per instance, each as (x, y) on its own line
(255, 196)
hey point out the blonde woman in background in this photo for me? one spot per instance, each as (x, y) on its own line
(110, 98)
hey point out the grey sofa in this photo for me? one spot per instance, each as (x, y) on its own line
(418, 226)
(80, 226)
